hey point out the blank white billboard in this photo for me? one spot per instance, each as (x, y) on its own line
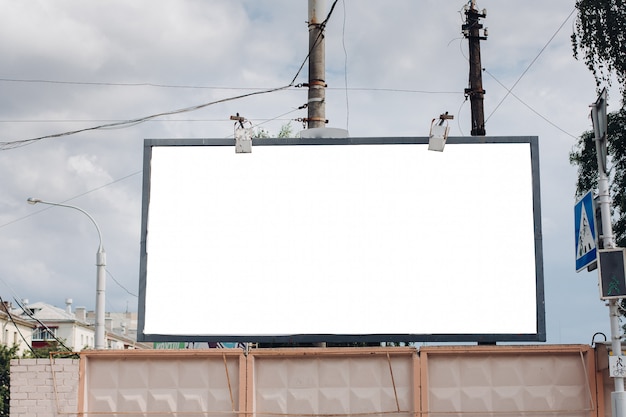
(373, 239)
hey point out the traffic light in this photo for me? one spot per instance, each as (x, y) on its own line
(612, 273)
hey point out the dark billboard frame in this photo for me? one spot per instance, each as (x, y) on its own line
(538, 336)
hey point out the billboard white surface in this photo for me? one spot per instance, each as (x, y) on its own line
(355, 240)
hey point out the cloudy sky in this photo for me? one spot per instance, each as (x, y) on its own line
(391, 67)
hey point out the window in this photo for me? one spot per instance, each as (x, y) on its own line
(42, 333)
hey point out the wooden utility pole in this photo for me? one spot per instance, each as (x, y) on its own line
(317, 72)
(471, 30)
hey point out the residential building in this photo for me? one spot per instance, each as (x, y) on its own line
(76, 330)
(15, 330)
(57, 325)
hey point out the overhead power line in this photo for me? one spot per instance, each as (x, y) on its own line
(103, 120)
(510, 90)
(199, 87)
(119, 84)
(529, 106)
(5, 145)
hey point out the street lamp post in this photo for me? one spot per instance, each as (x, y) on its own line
(100, 273)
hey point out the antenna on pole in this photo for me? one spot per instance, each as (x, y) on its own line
(471, 30)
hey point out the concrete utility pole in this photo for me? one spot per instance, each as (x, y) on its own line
(316, 103)
(317, 72)
(471, 30)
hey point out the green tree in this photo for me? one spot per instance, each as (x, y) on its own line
(6, 354)
(584, 157)
(599, 38)
(261, 133)
(286, 131)
(54, 346)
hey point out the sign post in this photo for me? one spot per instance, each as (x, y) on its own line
(600, 126)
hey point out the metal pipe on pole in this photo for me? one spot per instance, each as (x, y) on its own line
(99, 337)
(317, 72)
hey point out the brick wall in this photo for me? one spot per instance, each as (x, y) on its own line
(44, 387)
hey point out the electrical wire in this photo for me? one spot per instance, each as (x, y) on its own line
(74, 198)
(120, 285)
(118, 120)
(347, 89)
(24, 142)
(121, 179)
(119, 84)
(393, 90)
(6, 145)
(279, 117)
(330, 12)
(6, 310)
(458, 119)
(71, 198)
(529, 107)
(509, 91)
(315, 42)
(30, 314)
(20, 305)
(291, 88)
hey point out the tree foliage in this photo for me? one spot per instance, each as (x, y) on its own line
(286, 131)
(6, 354)
(600, 38)
(584, 157)
(56, 347)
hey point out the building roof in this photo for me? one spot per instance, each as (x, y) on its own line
(46, 312)
(18, 320)
(121, 327)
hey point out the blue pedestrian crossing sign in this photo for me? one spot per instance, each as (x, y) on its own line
(585, 232)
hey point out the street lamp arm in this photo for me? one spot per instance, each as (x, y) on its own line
(36, 200)
(100, 333)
